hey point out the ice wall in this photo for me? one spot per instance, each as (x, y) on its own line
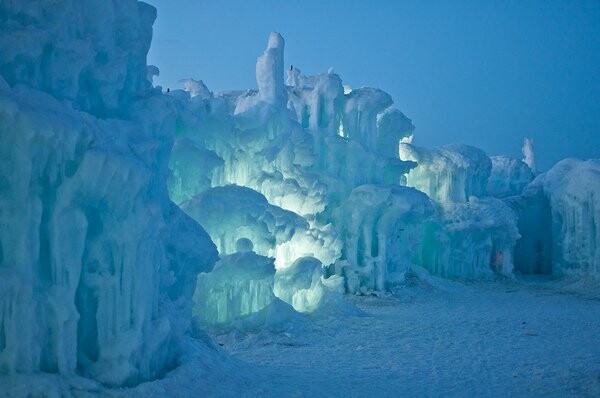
(564, 205)
(92, 53)
(192, 169)
(449, 173)
(298, 152)
(471, 240)
(306, 146)
(317, 101)
(299, 148)
(240, 285)
(382, 230)
(509, 177)
(470, 236)
(97, 266)
(232, 212)
(360, 114)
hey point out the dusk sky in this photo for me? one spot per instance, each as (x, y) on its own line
(483, 73)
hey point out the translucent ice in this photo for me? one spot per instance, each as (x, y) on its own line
(300, 284)
(450, 173)
(382, 230)
(97, 266)
(305, 155)
(241, 284)
(232, 212)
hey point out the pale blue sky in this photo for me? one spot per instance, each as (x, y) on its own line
(484, 73)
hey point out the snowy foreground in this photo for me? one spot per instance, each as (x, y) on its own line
(495, 339)
(289, 240)
(504, 338)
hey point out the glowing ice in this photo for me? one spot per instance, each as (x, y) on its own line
(300, 284)
(241, 284)
(98, 267)
(382, 228)
(449, 173)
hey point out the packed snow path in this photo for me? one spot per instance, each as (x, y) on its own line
(495, 339)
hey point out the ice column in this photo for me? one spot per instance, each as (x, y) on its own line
(269, 72)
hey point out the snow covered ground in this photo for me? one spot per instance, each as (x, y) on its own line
(504, 338)
(496, 339)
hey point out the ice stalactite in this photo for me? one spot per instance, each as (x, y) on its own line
(241, 284)
(450, 173)
(560, 214)
(286, 157)
(382, 230)
(471, 236)
(95, 279)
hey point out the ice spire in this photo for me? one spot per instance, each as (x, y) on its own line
(269, 71)
(528, 153)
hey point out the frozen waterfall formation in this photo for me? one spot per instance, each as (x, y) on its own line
(307, 188)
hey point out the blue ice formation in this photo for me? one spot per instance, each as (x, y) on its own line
(336, 161)
(308, 189)
(97, 265)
